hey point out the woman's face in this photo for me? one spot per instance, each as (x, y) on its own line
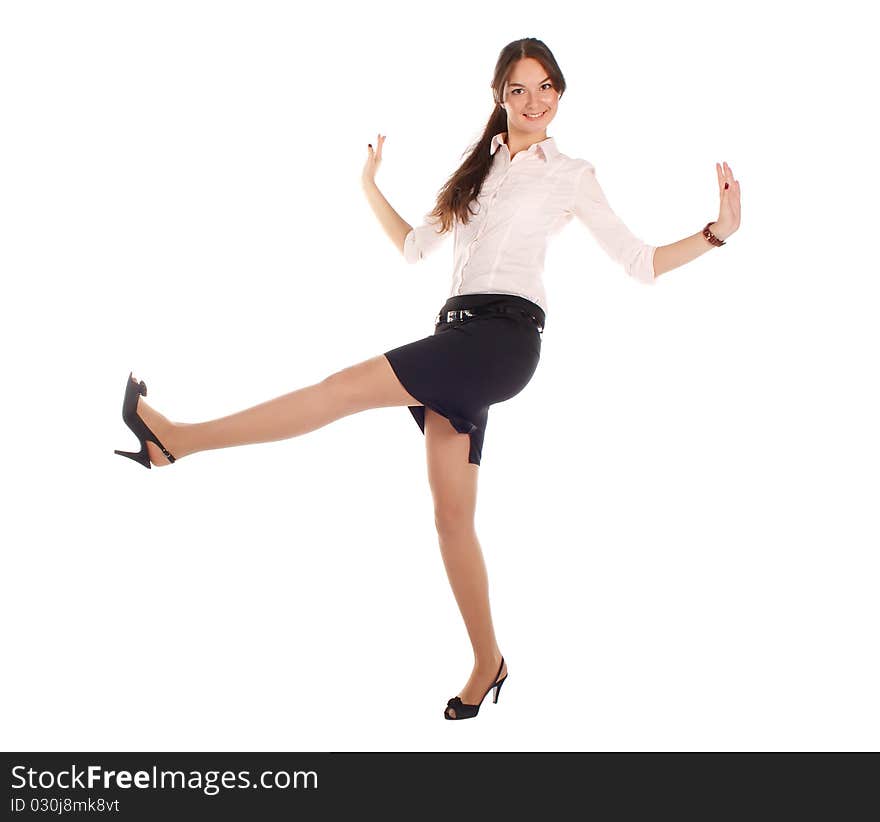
(529, 91)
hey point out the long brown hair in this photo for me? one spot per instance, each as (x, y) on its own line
(454, 199)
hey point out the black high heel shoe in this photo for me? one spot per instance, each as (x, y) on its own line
(141, 430)
(463, 710)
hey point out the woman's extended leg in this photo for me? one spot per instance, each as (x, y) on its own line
(369, 384)
(453, 483)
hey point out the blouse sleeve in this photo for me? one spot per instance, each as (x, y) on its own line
(423, 239)
(621, 245)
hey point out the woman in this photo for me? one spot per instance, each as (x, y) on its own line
(513, 191)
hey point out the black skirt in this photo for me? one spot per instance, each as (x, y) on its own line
(467, 365)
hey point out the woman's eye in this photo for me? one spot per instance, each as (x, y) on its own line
(545, 84)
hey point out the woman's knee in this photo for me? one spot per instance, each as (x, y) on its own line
(454, 521)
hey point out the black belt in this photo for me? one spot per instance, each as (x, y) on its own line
(460, 314)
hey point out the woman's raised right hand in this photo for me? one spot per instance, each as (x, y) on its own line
(374, 159)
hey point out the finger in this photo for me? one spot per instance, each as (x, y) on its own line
(723, 181)
(728, 177)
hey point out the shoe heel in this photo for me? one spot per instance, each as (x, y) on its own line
(498, 690)
(138, 456)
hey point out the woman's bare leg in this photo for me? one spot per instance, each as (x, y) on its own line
(369, 384)
(454, 487)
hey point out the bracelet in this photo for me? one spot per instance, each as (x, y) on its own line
(710, 236)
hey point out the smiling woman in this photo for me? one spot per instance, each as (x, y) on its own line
(534, 101)
(514, 190)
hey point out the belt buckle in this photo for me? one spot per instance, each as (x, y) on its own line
(455, 314)
(458, 314)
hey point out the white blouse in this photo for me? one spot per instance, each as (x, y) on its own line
(523, 202)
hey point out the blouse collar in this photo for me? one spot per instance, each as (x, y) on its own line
(546, 148)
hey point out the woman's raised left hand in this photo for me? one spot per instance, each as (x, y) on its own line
(728, 211)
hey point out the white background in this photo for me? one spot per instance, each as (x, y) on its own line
(679, 512)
